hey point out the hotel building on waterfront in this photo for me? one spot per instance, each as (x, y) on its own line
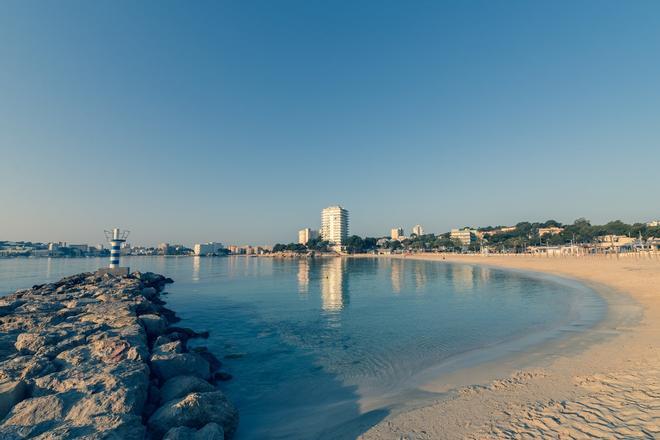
(418, 230)
(464, 236)
(306, 234)
(210, 248)
(396, 234)
(334, 225)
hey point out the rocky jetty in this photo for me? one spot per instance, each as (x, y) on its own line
(95, 356)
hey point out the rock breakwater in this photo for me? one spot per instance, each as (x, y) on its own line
(95, 356)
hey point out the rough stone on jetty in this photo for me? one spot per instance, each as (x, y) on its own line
(96, 357)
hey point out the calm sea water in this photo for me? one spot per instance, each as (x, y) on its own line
(309, 341)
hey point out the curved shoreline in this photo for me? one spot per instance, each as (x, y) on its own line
(582, 369)
(485, 363)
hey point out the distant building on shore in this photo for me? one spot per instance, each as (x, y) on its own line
(653, 224)
(552, 230)
(464, 236)
(418, 230)
(396, 233)
(164, 249)
(334, 225)
(613, 242)
(306, 234)
(210, 248)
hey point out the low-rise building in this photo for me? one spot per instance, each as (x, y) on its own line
(496, 231)
(616, 243)
(465, 236)
(164, 249)
(551, 230)
(653, 244)
(306, 234)
(210, 248)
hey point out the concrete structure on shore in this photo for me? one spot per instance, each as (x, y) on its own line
(396, 233)
(306, 234)
(418, 230)
(334, 225)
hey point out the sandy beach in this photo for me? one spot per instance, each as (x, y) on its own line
(604, 384)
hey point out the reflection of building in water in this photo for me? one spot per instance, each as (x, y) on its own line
(303, 276)
(420, 275)
(334, 293)
(484, 274)
(195, 268)
(396, 275)
(462, 276)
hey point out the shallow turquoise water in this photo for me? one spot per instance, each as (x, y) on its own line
(308, 340)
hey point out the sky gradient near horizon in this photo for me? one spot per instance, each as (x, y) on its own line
(239, 121)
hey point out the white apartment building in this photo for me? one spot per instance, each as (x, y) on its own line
(464, 236)
(396, 233)
(334, 225)
(306, 234)
(207, 248)
(418, 230)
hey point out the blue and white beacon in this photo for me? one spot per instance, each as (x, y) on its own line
(115, 238)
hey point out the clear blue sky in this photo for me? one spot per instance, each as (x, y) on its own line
(239, 121)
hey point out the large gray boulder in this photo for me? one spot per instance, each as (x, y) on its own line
(211, 431)
(168, 365)
(154, 325)
(195, 411)
(181, 386)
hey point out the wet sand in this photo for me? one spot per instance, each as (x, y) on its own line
(603, 385)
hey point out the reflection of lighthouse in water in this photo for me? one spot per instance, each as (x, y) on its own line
(333, 285)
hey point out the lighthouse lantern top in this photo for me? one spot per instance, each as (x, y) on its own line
(116, 235)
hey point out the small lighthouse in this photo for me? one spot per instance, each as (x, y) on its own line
(115, 238)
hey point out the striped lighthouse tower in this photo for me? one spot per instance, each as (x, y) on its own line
(116, 238)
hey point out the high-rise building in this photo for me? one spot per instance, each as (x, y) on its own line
(304, 235)
(396, 233)
(334, 225)
(418, 230)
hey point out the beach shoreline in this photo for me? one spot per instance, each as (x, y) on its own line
(602, 383)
